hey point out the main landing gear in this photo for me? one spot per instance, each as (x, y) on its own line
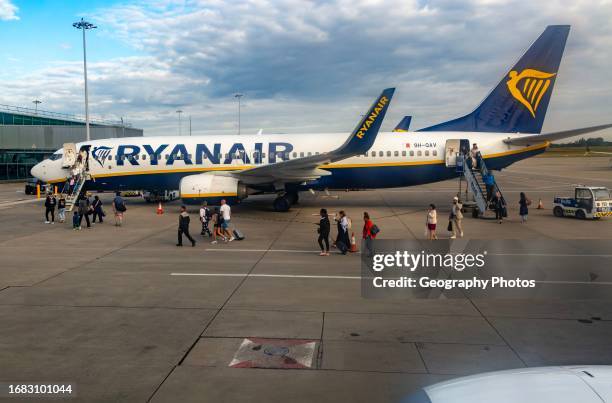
(284, 202)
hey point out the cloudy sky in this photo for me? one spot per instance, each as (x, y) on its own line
(303, 66)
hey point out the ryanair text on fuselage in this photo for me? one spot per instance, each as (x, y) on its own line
(127, 153)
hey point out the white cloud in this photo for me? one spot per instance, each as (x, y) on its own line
(315, 65)
(8, 11)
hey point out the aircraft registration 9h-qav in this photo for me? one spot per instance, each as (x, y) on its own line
(506, 126)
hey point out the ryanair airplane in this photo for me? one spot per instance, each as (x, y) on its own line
(506, 126)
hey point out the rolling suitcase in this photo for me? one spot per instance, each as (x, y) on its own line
(238, 234)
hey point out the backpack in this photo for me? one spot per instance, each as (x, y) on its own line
(120, 207)
(374, 229)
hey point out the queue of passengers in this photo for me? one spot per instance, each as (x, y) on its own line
(83, 209)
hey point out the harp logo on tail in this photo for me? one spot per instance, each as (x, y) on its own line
(529, 87)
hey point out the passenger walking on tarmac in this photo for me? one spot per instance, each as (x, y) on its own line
(61, 209)
(474, 152)
(216, 217)
(500, 206)
(75, 221)
(50, 203)
(84, 210)
(323, 230)
(119, 209)
(456, 218)
(97, 210)
(342, 239)
(431, 222)
(524, 204)
(369, 233)
(226, 212)
(205, 219)
(183, 227)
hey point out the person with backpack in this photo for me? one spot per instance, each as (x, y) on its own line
(183, 227)
(84, 210)
(342, 239)
(119, 209)
(50, 203)
(500, 207)
(205, 216)
(323, 230)
(524, 204)
(456, 217)
(61, 209)
(97, 210)
(370, 230)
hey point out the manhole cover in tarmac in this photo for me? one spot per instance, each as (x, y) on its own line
(256, 352)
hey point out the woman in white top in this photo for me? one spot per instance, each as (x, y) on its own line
(432, 220)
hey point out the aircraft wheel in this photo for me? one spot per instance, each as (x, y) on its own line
(293, 197)
(281, 204)
(558, 211)
(580, 214)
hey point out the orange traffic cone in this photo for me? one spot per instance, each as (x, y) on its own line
(160, 209)
(353, 244)
(540, 204)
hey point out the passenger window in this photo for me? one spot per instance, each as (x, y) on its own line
(381, 154)
(427, 153)
(144, 157)
(302, 154)
(396, 154)
(434, 152)
(419, 153)
(404, 153)
(167, 157)
(411, 153)
(263, 155)
(317, 153)
(309, 153)
(294, 155)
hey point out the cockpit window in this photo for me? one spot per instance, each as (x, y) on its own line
(56, 156)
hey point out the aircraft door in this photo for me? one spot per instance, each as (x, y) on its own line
(450, 152)
(70, 155)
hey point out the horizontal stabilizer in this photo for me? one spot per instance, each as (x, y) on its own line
(403, 125)
(540, 138)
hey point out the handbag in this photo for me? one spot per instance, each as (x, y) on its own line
(449, 227)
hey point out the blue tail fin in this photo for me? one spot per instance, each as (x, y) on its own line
(520, 100)
(403, 125)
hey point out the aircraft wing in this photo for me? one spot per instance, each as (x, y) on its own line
(313, 167)
(540, 138)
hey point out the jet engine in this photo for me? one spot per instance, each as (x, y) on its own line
(211, 187)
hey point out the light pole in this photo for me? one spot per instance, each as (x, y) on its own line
(238, 96)
(36, 102)
(84, 25)
(179, 115)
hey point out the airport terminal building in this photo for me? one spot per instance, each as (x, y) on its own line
(28, 136)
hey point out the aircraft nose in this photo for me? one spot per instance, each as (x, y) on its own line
(38, 170)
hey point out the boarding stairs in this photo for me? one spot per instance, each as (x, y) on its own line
(72, 195)
(475, 182)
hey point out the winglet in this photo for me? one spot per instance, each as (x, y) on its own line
(362, 138)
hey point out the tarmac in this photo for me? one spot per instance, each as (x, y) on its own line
(125, 315)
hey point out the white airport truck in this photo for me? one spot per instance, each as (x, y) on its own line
(588, 202)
